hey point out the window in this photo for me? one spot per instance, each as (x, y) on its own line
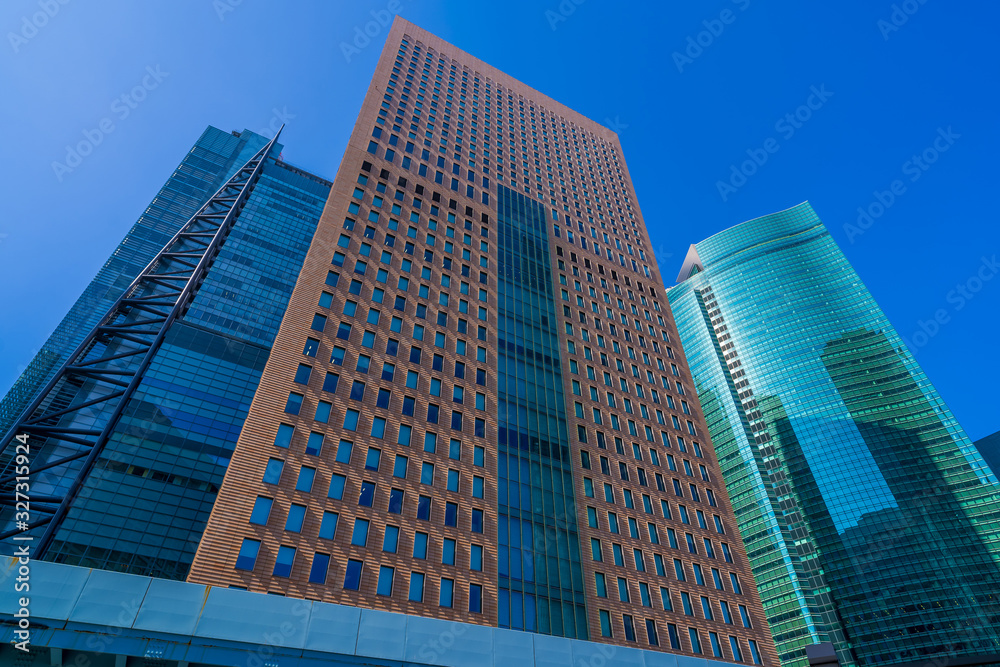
(296, 515)
(451, 514)
(448, 552)
(695, 640)
(305, 481)
(420, 545)
(247, 557)
(337, 483)
(385, 577)
(416, 587)
(373, 458)
(734, 644)
(601, 585)
(396, 501)
(629, 625)
(623, 594)
(344, 450)
(261, 510)
(745, 617)
(605, 623)
(357, 391)
(283, 563)
(367, 495)
(314, 445)
(320, 566)
(477, 520)
(424, 508)
(328, 527)
(476, 557)
(651, 635)
(352, 575)
(294, 403)
(360, 535)
(716, 647)
(446, 596)
(330, 382)
(383, 398)
(475, 598)
(351, 420)
(754, 651)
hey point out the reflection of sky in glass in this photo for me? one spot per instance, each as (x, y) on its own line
(780, 340)
(803, 336)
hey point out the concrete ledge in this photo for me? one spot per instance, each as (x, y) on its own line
(104, 615)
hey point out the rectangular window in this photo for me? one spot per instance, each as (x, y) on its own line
(283, 563)
(385, 577)
(305, 481)
(261, 510)
(247, 557)
(446, 597)
(416, 587)
(320, 566)
(296, 515)
(360, 536)
(328, 527)
(420, 545)
(605, 623)
(352, 575)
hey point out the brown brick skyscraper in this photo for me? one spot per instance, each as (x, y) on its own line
(476, 407)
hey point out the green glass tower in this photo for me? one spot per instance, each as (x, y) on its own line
(870, 519)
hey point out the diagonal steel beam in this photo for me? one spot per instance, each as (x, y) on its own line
(112, 338)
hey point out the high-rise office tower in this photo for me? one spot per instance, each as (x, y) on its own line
(476, 406)
(146, 498)
(870, 519)
(212, 160)
(989, 447)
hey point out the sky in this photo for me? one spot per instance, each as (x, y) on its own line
(882, 114)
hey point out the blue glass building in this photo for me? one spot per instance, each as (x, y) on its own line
(869, 517)
(144, 506)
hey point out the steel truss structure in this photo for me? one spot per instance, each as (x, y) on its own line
(66, 426)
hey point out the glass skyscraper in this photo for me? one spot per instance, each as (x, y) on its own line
(869, 517)
(144, 506)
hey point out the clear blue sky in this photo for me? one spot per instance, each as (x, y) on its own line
(682, 124)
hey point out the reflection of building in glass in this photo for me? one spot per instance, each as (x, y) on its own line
(870, 519)
(144, 506)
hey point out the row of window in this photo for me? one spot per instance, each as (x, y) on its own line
(414, 127)
(628, 631)
(367, 491)
(386, 584)
(610, 162)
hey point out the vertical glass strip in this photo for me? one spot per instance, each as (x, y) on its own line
(540, 579)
